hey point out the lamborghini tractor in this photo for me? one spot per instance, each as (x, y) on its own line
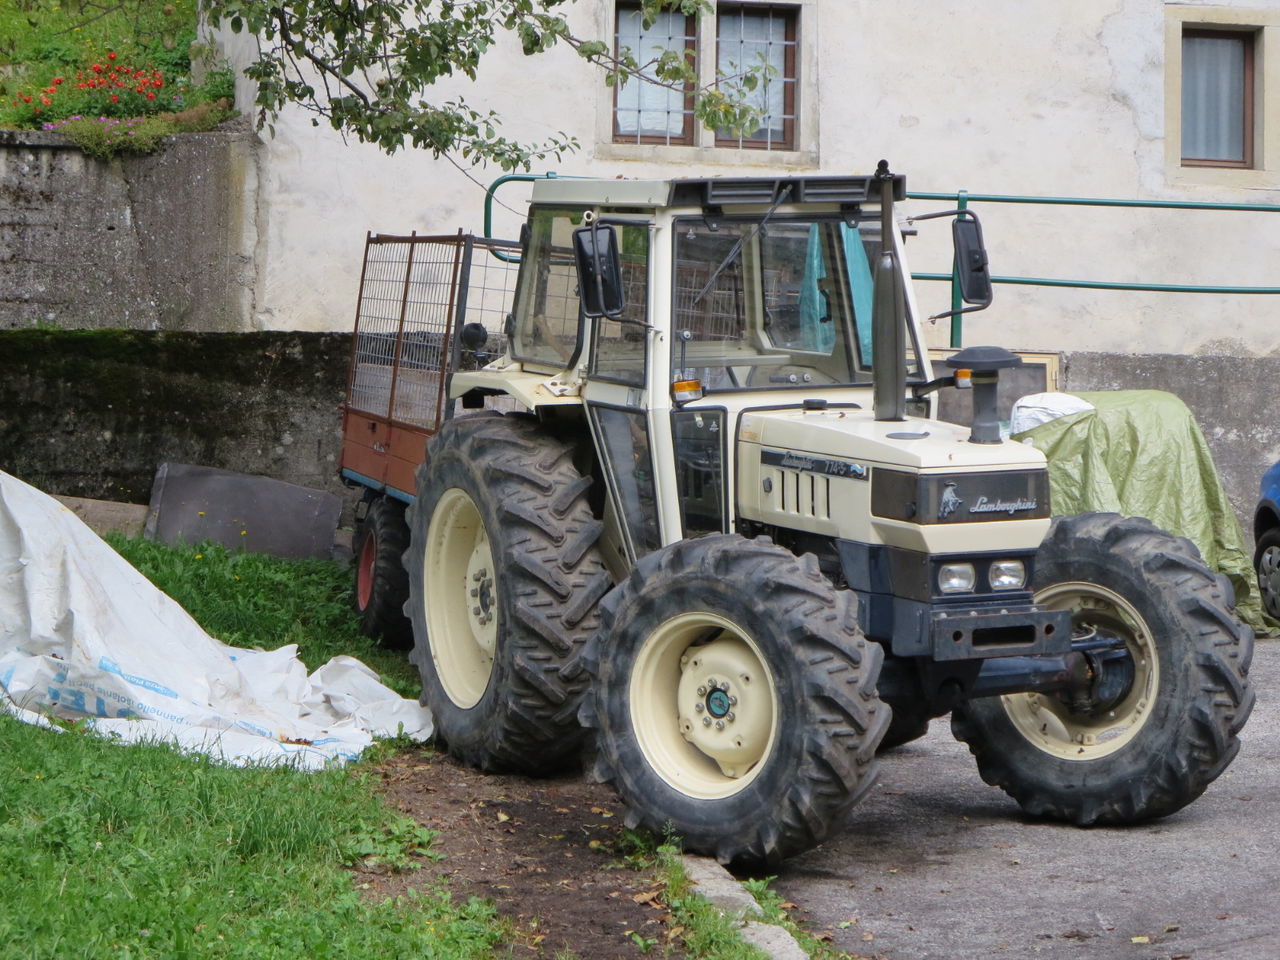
(684, 503)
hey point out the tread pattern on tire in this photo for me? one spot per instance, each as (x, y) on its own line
(551, 577)
(383, 618)
(837, 670)
(1171, 763)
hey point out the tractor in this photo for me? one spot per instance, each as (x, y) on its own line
(684, 505)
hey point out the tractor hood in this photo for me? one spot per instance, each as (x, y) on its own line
(911, 444)
(919, 484)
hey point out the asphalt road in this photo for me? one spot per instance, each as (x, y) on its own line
(935, 864)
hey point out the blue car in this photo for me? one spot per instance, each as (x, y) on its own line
(1266, 533)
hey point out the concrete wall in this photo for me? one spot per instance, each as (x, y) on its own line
(1226, 394)
(149, 242)
(93, 413)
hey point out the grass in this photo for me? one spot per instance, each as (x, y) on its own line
(138, 852)
(254, 600)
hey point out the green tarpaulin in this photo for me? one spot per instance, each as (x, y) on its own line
(1140, 453)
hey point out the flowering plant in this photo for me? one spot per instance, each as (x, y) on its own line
(107, 86)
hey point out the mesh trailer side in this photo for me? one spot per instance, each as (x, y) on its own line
(415, 293)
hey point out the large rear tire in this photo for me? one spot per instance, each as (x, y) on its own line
(505, 576)
(734, 699)
(382, 585)
(1158, 740)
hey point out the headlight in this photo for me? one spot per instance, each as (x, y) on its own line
(956, 577)
(1008, 575)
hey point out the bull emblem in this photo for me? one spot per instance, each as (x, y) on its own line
(950, 501)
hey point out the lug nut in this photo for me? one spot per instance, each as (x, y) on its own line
(733, 701)
(475, 611)
(729, 716)
(711, 682)
(719, 724)
(698, 707)
(475, 591)
(706, 721)
(702, 691)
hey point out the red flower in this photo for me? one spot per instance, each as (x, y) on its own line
(150, 96)
(111, 56)
(46, 101)
(97, 68)
(114, 98)
(57, 81)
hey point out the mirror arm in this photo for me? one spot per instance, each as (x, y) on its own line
(921, 390)
(945, 213)
(956, 313)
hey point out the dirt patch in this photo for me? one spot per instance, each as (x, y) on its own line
(544, 851)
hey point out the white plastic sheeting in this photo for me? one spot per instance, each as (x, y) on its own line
(1037, 408)
(85, 635)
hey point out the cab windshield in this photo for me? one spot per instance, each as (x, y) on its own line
(776, 304)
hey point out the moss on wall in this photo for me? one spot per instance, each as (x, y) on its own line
(93, 412)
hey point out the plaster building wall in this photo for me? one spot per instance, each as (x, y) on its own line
(1029, 97)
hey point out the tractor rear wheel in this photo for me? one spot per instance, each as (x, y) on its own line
(1149, 744)
(382, 586)
(505, 576)
(734, 699)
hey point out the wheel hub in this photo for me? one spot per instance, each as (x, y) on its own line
(1119, 700)
(1269, 580)
(720, 712)
(462, 598)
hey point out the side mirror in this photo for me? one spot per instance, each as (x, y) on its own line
(972, 271)
(595, 250)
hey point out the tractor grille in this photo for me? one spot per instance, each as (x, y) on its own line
(799, 494)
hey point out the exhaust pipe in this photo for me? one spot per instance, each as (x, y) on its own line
(889, 315)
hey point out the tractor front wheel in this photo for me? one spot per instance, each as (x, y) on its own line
(1161, 724)
(734, 699)
(505, 576)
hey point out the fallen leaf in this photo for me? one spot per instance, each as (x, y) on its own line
(1139, 939)
(646, 897)
(1171, 928)
(502, 817)
(562, 810)
(868, 936)
(843, 924)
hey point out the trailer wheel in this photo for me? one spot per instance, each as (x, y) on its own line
(734, 699)
(505, 576)
(1152, 744)
(382, 586)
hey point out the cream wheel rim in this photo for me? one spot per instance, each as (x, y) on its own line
(704, 705)
(1052, 725)
(462, 600)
